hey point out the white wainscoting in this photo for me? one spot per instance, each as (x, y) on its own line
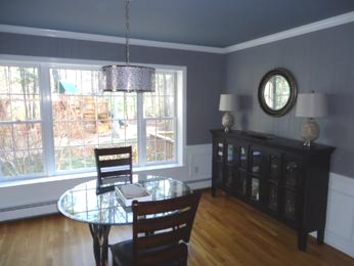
(340, 214)
(39, 197)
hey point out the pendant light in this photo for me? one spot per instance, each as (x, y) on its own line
(128, 78)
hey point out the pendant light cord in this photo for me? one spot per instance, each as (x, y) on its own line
(127, 31)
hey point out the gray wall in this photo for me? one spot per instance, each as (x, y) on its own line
(322, 61)
(205, 71)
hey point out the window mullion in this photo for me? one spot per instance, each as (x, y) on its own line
(176, 117)
(47, 119)
(141, 130)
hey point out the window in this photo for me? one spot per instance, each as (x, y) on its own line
(21, 149)
(58, 111)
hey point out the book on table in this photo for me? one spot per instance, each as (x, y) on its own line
(130, 192)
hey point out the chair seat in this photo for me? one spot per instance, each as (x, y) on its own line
(122, 253)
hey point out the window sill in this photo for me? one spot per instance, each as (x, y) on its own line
(156, 167)
(89, 175)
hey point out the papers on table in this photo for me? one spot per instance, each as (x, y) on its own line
(130, 192)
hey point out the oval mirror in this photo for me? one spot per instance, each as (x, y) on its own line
(277, 92)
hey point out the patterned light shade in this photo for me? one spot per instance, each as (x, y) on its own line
(128, 78)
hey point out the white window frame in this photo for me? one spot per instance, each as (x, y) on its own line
(44, 64)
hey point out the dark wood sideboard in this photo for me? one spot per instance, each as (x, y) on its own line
(276, 175)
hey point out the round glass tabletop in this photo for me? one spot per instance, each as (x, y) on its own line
(82, 204)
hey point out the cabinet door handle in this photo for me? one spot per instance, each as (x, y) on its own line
(292, 167)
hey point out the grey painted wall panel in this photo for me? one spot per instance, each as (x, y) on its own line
(322, 61)
(205, 71)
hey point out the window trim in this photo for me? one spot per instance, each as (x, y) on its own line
(45, 63)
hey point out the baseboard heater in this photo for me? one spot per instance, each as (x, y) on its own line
(49, 207)
(28, 210)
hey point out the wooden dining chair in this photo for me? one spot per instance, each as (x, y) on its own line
(112, 163)
(161, 232)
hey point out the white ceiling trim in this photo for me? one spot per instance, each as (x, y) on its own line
(312, 27)
(105, 38)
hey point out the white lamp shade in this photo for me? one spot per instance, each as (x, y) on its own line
(227, 102)
(311, 105)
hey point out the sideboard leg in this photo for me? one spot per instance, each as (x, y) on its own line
(320, 236)
(213, 191)
(302, 240)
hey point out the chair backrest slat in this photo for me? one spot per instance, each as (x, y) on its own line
(113, 174)
(113, 150)
(163, 239)
(113, 162)
(169, 221)
(173, 204)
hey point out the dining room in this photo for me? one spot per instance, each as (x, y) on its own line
(205, 132)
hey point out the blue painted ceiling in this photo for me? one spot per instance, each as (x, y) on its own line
(216, 23)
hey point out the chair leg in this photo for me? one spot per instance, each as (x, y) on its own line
(184, 261)
(114, 262)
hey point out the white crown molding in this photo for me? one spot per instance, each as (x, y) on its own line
(312, 27)
(105, 38)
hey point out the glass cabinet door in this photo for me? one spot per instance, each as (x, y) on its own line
(290, 205)
(274, 167)
(231, 177)
(273, 197)
(256, 162)
(292, 172)
(230, 153)
(231, 164)
(242, 183)
(243, 157)
(255, 189)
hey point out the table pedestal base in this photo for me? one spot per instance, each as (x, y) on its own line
(99, 235)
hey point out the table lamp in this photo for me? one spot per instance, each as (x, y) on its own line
(311, 105)
(227, 104)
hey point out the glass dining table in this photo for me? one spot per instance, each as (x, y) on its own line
(101, 211)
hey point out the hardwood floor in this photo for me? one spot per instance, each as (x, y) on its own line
(225, 232)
